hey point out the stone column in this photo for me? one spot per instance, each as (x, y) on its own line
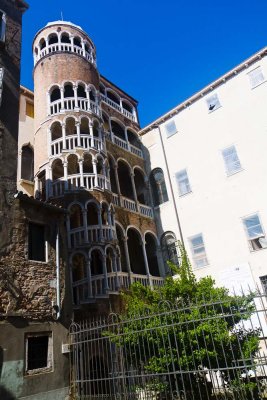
(78, 130)
(72, 43)
(87, 91)
(134, 192)
(115, 269)
(83, 47)
(106, 287)
(81, 172)
(128, 265)
(146, 263)
(86, 238)
(64, 136)
(62, 99)
(65, 167)
(89, 277)
(91, 132)
(126, 138)
(75, 89)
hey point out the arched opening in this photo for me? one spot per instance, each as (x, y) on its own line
(117, 130)
(87, 47)
(92, 214)
(96, 262)
(125, 180)
(170, 250)
(133, 139)
(77, 41)
(120, 238)
(158, 186)
(81, 91)
(55, 94)
(41, 192)
(42, 44)
(127, 106)
(151, 253)
(106, 123)
(56, 131)
(84, 126)
(78, 267)
(112, 176)
(76, 216)
(27, 163)
(87, 164)
(100, 169)
(136, 256)
(110, 259)
(140, 187)
(52, 39)
(96, 129)
(112, 96)
(92, 95)
(68, 90)
(57, 169)
(104, 214)
(71, 126)
(36, 51)
(102, 89)
(65, 38)
(73, 165)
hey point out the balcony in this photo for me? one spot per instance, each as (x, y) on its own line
(131, 205)
(66, 48)
(123, 144)
(72, 104)
(87, 290)
(92, 234)
(77, 182)
(73, 141)
(119, 108)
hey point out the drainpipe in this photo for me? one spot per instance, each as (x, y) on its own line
(169, 178)
(58, 275)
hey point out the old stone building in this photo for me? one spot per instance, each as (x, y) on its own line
(81, 225)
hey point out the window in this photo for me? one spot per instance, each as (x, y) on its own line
(169, 247)
(29, 109)
(170, 128)
(2, 26)
(36, 243)
(38, 353)
(263, 280)
(183, 182)
(255, 233)
(159, 190)
(1, 82)
(231, 160)
(27, 159)
(198, 250)
(256, 77)
(213, 102)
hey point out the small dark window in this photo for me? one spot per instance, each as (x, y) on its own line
(27, 160)
(36, 242)
(263, 280)
(38, 353)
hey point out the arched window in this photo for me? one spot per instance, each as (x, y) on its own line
(169, 249)
(52, 39)
(27, 160)
(158, 186)
(55, 94)
(76, 216)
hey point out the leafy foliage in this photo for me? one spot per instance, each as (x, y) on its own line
(186, 325)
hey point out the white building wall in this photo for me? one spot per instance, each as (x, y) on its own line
(218, 202)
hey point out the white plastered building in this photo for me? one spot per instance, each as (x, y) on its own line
(211, 152)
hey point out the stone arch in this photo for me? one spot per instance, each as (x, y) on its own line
(141, 186)
(73, 164)
(57, 169)
(84, 125)
(75, 215)
(27, 162)
(125, 180)
(68, 91)
(92, 208)
(42, 43)
(52, 38)
(71, 128)
(112, 95)
(158, 186)
(56, 130)
(81, 89)
(151, 253)
(127, 105)
(64, 37)
(135, 249)
(87, 163)
(97, 257)
(54, 93)
(133, 138)
(117, 128)
(77, 41)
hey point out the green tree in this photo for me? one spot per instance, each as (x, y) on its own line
(175, 332)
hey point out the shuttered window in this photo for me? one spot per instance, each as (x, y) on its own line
(256, 77)
(183, 182)
(231, 160)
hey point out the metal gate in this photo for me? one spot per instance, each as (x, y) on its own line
(211, 350)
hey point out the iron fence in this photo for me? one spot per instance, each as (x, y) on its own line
(212, 349)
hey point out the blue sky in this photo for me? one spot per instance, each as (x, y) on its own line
(160, 52)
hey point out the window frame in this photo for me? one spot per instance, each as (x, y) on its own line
(250, 77)
(168, 249)
(170, 133)
(30, 222)
(154, 186)
(202, 256)
(50, 353)
(251, 240)
(209, 102)
(2, 27)
(228, 171)
(263, 281)
(179, 182)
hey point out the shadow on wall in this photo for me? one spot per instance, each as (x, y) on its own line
(5, 394)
